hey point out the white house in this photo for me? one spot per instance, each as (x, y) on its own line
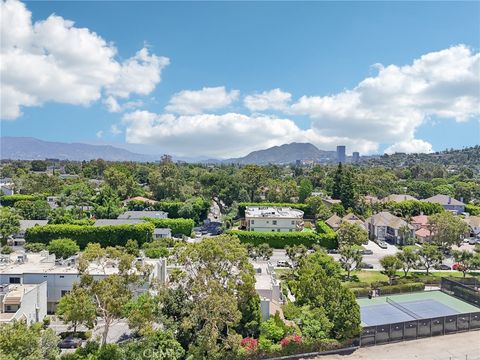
(60, 275)
(25, 302)
(270, 218)
(268, 289)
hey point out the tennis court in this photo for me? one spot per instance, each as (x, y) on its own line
(415, 315)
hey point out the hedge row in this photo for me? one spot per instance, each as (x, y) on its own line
(196, 209)
(10, 200)
(279, 240)
(323, 228)
(402, 288)
(178, 226)
(111, 235)
(413, 208)
(304, 207)
(389, 289)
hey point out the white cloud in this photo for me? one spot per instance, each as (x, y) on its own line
(99, 134)
(410, 146)
(114, 106)
(52, 60)
(114, 130)
(275, 99)
(199, 101)
(389, 107)
(225, 135)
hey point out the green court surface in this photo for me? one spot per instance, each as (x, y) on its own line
(450, 301)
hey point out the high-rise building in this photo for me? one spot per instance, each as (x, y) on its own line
(341, 153)
(356, 156)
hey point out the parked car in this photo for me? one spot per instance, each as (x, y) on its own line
(366, 252)
(457, 266)
(442, 267)
(382, 244)
(283, 263)
(472, 241)
(332, 251)
(365, 266)
(70, 343)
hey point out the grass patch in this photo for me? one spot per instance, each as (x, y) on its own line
(367, 276)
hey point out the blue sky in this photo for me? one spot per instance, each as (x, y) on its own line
(310, 49)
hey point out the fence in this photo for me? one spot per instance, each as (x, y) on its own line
(465, 289)
(417, 329)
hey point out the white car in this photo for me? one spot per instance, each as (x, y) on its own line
(473, 241)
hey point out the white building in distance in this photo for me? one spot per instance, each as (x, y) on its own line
(273, 219)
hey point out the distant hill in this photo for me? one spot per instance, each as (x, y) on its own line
(469, 157)
(27, 148)
(286, 154)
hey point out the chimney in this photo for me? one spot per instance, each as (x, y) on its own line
(449, 200)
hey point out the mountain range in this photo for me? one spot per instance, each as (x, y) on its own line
(27, 148)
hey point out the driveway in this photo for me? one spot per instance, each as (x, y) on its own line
(462, 346)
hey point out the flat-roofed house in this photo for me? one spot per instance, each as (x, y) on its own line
(273, 219)
(23, 302)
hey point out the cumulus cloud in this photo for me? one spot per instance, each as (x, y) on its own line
(52, 60)
(114, 106)
(199, 101)
(410, 146)
(275, 99)
(114, 130)
(390, 106)
(224, 135)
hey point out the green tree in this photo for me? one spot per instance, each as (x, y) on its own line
(264, 251)
(305, 191)
(295, 253)
(63, 248)
(77, 308)
(351, 234)
(347, 193)
(32, 210)
(160, 345)
(390, 265)
(447, 229)
(271, 330)
(9, 223)
(350, 258)
(408, 257)
(467, 260)
(430, 255)
(337, 182)
(253, 176)
(140, 313)
(21, 342)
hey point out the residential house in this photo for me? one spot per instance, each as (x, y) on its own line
(19, 237)
(143, 214)
(162, 233)
(7, 190)
(422, 231)
(474, 225)
(448, 203)
(271, 218)
(335, 221)
(329, 202)
(23, 302)
(53, 201)
(397, 198)
(268, 288)
(387, 227)
(107, 222)
(60, 275)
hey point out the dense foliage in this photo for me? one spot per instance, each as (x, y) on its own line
(279, 240)
(111, 235)
(177, 226)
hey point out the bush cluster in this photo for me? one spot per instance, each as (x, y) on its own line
(112, 235)
(178, 226)
(279, 240)
(413, 208)
(10, 200)
(402, 288)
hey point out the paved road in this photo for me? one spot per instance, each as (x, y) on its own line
(462, 346)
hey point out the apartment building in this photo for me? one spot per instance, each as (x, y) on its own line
(273, 219)
(23, 302)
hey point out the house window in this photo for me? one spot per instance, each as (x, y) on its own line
(62, 277)
(253, 229)
(273, 229)
(278, 230)
(64, 292)
(14, 280)
(290, 230)
(252, 222)
(274, 222)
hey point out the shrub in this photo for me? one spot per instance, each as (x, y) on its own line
(402, 288)
(279, 240)
(111, 235)
(10, 200)
(413, 208)
(360, 292)
(249, 344)
(35, 247)
(6, 250)
(178, 226)
(306, 208)
(156, 253)
(291, 339)
(472, 209)
(63, 248)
